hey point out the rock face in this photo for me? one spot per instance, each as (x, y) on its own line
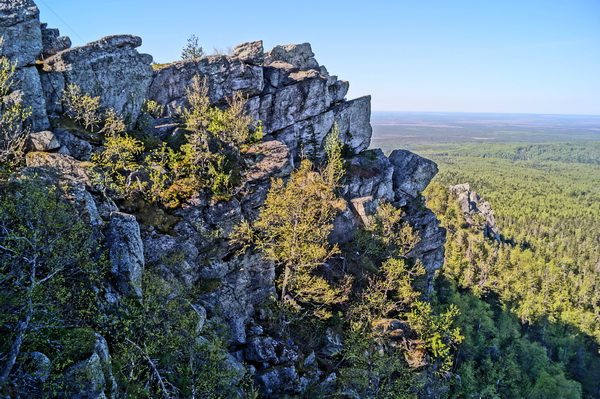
(20, 30)
(476, 210)
(42, 141)
(296, 99)
(412, 173)
(126, 253)
(244, 283)
(22, 44)
(110, 68)
(53, 42)
(29, 86)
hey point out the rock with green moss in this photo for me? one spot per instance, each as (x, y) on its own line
(92, 378)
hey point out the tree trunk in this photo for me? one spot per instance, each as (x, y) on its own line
(286, 277)
(15, 348)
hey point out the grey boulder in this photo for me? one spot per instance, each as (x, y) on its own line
(126, 252)
(110, 68)
(412, 173)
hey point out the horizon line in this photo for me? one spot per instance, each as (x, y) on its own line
(486, 112)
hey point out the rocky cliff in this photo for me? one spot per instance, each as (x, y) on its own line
(298, 102)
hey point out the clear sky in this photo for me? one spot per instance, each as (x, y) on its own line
(523, 56)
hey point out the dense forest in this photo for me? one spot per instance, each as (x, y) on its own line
(529, 301)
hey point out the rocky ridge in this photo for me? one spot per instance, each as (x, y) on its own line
(298, 102)
(476, 211)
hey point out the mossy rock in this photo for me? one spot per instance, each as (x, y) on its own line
(205, 286)
(151, 215)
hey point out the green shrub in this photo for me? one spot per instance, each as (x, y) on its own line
(217, 137)
(81, 107)
(113, 123)
(160, 350)
(387, 234)
(118, 164)
(153, 108)
(292, 230)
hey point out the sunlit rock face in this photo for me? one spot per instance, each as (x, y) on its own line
(297, 100)
(110, 68)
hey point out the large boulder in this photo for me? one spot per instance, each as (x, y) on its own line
(300, 56)
(42, 141)
(369, 174)
(251, 52)
(68, 168)
(473, 208)
(53, 42)
(126, 252)
(110, 68)
(279, 382)
(412, 173)
(92, 378)
(72, 145)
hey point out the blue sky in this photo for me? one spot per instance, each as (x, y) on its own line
(471, 56)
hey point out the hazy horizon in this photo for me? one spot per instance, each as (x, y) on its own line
(380, 111)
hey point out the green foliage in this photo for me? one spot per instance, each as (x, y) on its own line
(389, 293)
(113, 124)
(49, 263)
(369, 372)
(217, 137)
(153, 108)
(192, 50)
(209, 159)
(544, 273)
(81, 107)
(334, 169)
(118, 164)
(549, 213)
(161, 350)
(292, 230)
(497, 359)
(13, 116)
(387, 234)
(437, 331)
